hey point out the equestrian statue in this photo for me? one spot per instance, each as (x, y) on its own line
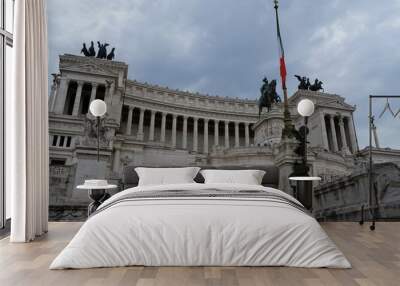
(268, 96)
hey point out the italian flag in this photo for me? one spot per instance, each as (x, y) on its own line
(281, 52)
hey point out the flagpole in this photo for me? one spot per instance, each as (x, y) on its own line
(287, 130)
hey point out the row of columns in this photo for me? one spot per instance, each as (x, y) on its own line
(329, 119)
(140, 133)
(59, 97)
(58, 141)
(78, 96)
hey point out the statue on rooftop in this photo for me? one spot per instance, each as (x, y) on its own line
(85, 50)
(306, 85)
(92, 52)
(304, 82)
(317, 85)
(111, 55)
(102, 52)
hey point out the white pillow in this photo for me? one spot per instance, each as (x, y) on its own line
(248, 177)
(166, 176)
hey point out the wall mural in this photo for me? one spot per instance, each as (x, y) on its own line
(150, 125)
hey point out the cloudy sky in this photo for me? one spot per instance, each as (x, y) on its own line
(226, 47)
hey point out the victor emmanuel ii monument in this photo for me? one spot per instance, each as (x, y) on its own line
(150, 125)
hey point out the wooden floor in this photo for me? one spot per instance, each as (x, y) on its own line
(375, 257)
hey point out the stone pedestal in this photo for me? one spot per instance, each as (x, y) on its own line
(88, 168)
(268, 130)
(284, 160)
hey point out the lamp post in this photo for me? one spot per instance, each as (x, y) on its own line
(305, 108)
(98, 108)
(303, 189)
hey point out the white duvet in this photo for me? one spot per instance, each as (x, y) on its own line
(206, 231)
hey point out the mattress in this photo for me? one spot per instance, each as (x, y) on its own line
(201, 225)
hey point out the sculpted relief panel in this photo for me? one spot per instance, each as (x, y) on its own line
(268, 132)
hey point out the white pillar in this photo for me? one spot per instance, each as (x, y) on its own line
(108, 94)
(375, 136)
(94, 91)
(184, 132)
(54, 91)
(246, 134)
(195, 131)
(52, 97)
(237, 134)
(352, 132)
(174, 120)
(216, 132)
(226, 134)
(61, 96)
(324, 134)
(333, 132)
(117, 155)
(77, 101)
(140, 134)
(152, 123)
(128, 130)
(163, 123)
(205, 143)
(343, 135)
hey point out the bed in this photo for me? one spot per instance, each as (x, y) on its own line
(201, 224)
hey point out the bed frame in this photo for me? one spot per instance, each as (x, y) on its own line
(130, 178)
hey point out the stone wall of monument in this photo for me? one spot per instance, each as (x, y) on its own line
(343, 198)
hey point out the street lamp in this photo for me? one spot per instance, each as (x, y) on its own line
(304, 182)
(305, 108)
(98, 108)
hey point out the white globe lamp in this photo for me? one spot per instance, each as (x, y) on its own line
(305, 107)
(98, 107)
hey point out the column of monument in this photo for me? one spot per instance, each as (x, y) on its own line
(343, 135)
(226, 134)
(237, 134)
(163, 123)
(216, 132)
(205, 145)
(350, 126)
(61, 96)
(333, 132)
(152, 123)
(324, 134)
(77, 101)
(93, 92)
(128, 130)
(246, 134)
(140, 133)
(184, 132)
(174, 120)
(195, 130)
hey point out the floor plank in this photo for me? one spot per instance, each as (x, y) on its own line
(375, 257)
